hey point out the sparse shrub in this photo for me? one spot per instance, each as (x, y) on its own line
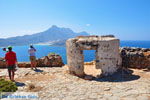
(7, 86)
(31, 87)
(52, 53)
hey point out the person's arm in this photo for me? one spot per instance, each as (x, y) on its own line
(6, 58)
(34, 49)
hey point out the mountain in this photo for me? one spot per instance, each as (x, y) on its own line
(51, 36)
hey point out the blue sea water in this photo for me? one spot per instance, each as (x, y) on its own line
(43, 50)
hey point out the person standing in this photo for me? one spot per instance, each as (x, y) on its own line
(32, 57)
(11, 61)
(5, 51)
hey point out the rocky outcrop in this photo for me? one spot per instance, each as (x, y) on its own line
(24, 64)
(135, 57)
(52, 60)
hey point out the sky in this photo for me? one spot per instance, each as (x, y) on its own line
(126, 19)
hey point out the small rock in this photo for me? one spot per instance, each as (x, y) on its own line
(106, 89)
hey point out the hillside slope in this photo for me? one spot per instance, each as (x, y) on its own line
(52, 35)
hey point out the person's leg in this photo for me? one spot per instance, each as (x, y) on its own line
(9, 73)
(34, 60)
(12, 75)
(35, 65)
(31, 60)
(32, 64)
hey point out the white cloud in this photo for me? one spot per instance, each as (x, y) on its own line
(88, 25)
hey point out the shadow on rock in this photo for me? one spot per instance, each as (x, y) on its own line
(19, 84)
(122, 75)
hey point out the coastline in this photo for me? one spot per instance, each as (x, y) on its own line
(123, 43)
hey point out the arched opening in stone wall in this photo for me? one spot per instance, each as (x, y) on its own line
(90, 63)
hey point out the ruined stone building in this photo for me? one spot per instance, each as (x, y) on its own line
(106, 50)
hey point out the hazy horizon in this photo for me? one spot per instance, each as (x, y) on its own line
(126, 19)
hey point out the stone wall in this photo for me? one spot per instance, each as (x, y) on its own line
(52, 60)
(135, 57)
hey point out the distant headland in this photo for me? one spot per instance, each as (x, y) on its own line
(53, 35)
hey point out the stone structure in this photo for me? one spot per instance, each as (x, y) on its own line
(107, 53)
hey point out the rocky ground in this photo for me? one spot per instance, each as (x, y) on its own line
(56, 84)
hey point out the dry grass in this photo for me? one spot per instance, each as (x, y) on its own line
(32, 88)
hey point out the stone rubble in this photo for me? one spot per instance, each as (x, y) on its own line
(135, 57)
(52, 60)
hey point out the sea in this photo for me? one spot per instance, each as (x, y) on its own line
(44, 50)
